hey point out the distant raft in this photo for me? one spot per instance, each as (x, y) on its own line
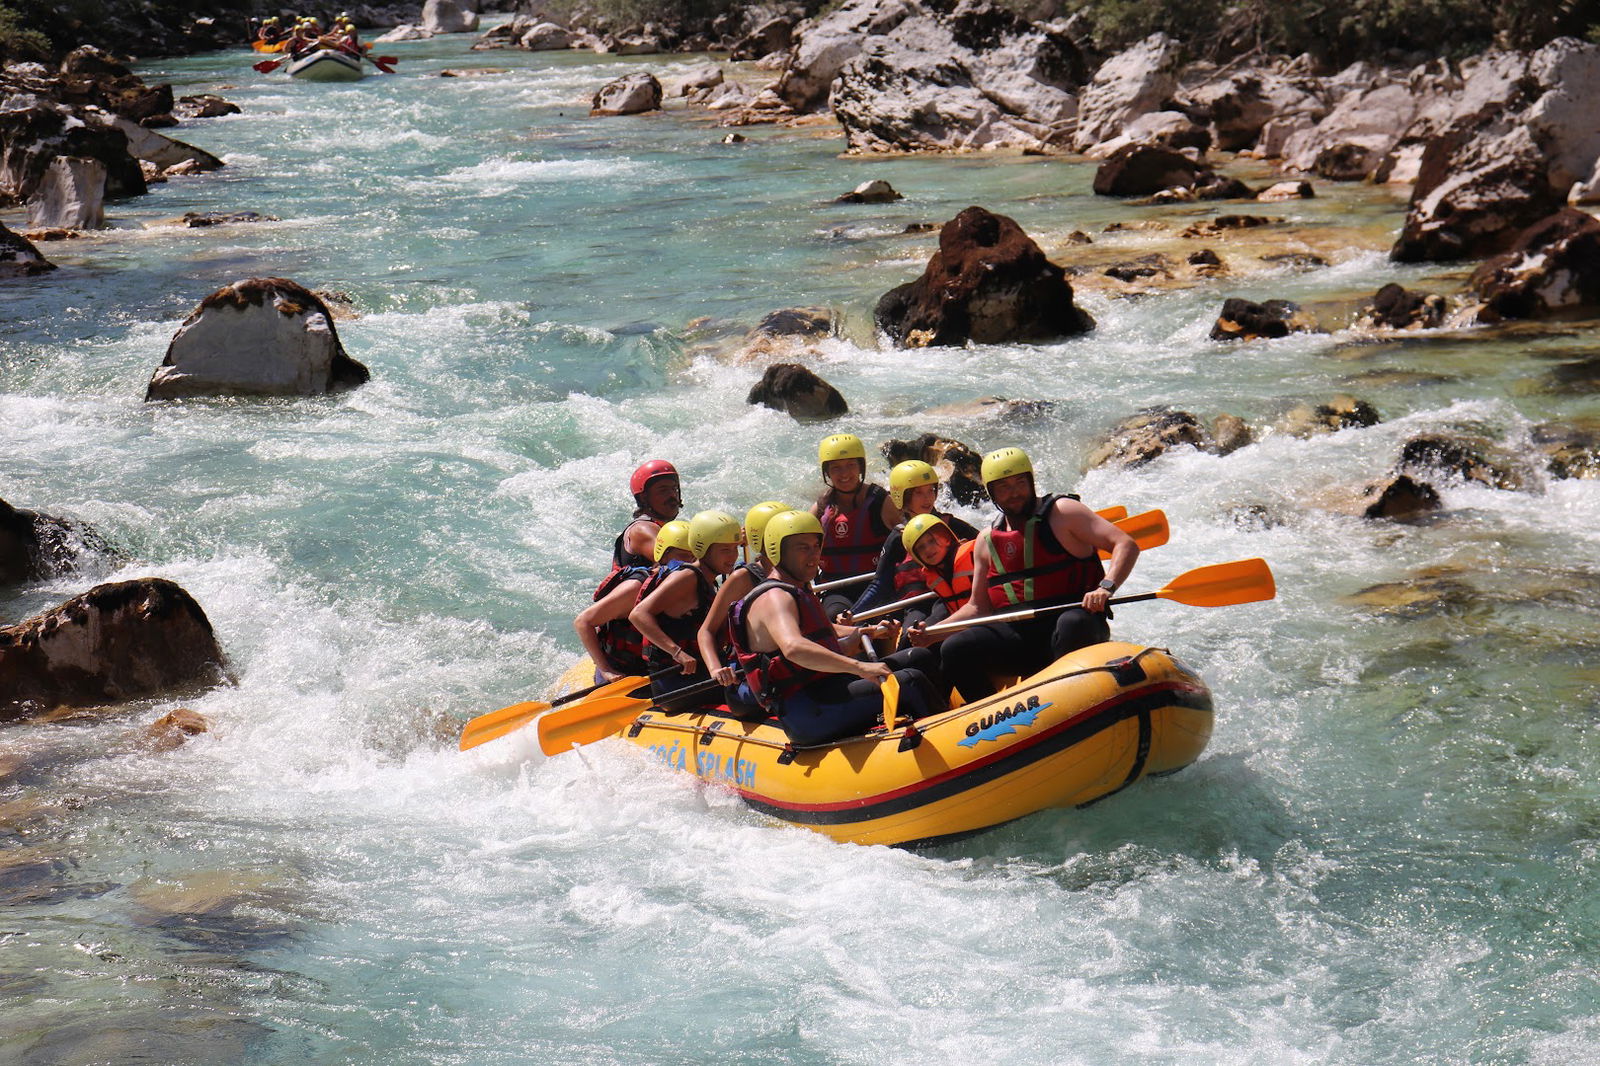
(326, 64)
(1089, 725)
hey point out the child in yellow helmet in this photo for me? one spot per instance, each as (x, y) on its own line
(855, 514)
(914, 489)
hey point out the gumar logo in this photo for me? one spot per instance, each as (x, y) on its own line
(1003, 723)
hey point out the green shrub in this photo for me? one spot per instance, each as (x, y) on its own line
(19, 41)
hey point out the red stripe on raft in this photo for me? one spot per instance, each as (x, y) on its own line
(1003, 752)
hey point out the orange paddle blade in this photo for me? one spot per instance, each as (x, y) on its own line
(1149, 530)
(589, 721)
(1222, 585)
(1113, 514)
(487, 727)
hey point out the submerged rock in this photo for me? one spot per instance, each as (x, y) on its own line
(1571, 449)
(1286, 190)
(798, 392)
(1399, 497)
(1553, 265)
(204, 105)
(630, 95)
(171, 730)
(1460, 457)
(1246, 320)
(256, 337)
(116, 642)
(876, 191)
(988, 283)
(34, 546)
(1341, 412)
(1393, 307)
(19, 258)
(797, 322)
(1147, 435)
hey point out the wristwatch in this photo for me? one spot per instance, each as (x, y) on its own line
(1109, 585)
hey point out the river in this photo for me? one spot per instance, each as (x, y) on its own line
(1387, 854)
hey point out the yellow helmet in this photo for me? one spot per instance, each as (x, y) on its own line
(1007, 462)
(711, 527)
(841, 446)
(674, 534)
(908, 475)
(755, 522)
(784, 525)
(917, 528)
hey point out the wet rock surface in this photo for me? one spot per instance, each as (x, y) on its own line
(799, 392)
(960, 467)
(989, 283)
(35, 546)
(19, 258)
(256, 337)
(1246, 320)
(1340, 412)
(1399, 497)
(1393, 307)
(1553, 265)
(1143, 437)
(117, 642)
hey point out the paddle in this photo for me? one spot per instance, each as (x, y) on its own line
(267, 66)
(383, 63)
(1218, 585)
(1149, 530)
(602, 715)
(1110, 514)
(891, 700)
(487, 727)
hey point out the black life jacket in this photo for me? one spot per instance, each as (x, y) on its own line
(621, 556)
(684, 628)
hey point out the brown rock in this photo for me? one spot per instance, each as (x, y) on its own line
(988, 283)
(1464, 458)
(116, 642)
(19, 258)
(1245, 320)
(1552, 265)
(798, 322)
(1151, 265)
(1212, 227)
(204, 105)
(1341, 412)
(1143, 169)
(1399, 497)
(1286, 190)
(797, 391)
(171, 730)
(1229, 433)
(36, 546)
(1144, 436)
(1572, 449)
(1393, 307)
(960, 468)
(876, 191)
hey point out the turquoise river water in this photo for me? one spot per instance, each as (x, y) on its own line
(1387, 855)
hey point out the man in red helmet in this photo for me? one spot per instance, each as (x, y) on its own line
(658, 499)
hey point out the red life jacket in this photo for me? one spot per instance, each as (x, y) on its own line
(852, 539)
(770, 676)
(952, 582)
(684, 628)
(621, 642)
(1029, 566)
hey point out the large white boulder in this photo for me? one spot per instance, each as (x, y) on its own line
(1126, 86)
(448, 16)
(152, 147)
(546, 37)
(825, 44)
(628, 95)
(72, 195)
(256, 337)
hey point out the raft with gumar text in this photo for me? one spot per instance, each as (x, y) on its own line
(1092, 723)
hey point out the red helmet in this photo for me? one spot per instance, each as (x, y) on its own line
(648, 472)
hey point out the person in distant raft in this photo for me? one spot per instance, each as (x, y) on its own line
(856, 516)
(656, 499)
(795, 660)
(914, 489)
(603, 628)
(675, 600)
(1041, 551)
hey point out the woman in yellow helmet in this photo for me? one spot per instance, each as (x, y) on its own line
(855, 514)
(746, 576)
(674, 601)
(914, 489)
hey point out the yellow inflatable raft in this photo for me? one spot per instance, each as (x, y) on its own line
(1089, 725)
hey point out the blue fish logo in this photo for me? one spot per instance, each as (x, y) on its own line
(1003, 723)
